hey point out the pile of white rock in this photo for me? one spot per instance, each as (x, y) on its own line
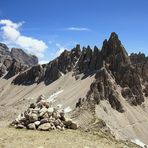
(43, 116)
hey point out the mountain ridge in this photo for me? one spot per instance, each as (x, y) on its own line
(14, 61)
(115, 62)
(105, 84)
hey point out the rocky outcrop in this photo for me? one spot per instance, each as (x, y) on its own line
(118, 61)
(114, 53)
(33, 75)
(14, 68)
(24, 58)
(2, 70)
(103, 88)
(114, 65)
(4, 52)
(140, 62)
(51, 71)
(14, 61)
(44, 117)
(90, 60)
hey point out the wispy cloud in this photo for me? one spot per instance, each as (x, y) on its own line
(11, 34)
(76, 29)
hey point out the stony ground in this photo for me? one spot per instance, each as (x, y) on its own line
(21, 138)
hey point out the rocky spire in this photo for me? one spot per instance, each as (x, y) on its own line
(114, 53)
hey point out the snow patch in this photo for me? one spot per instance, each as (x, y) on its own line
(29, 98)
(6, 72)
(61, 73)
(138, 142)
(67, 109)
(54, 95)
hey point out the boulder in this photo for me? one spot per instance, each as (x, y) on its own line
(57, 122)
(32, 105)
(20, 126)
(74, 126)
(42, 112)
(33, 117)
(32, 126)
(41, 97)
(68, 122)
(45, 120)
(44, 127)
(37, 123)
(50, 111)
(56, 115)
(59, 127)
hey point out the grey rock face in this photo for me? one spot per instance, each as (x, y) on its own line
(130, 72)
(23, 57)
(14, 61)
(121, 67)
(33, 75)
(4, 52)
(140, 62)
(104, 89)
(90, 60)
(51, 71)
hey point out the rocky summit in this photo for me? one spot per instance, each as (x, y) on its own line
(100, 89)
(14, 61)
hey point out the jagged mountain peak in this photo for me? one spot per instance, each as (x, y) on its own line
(113, 46)
(114, 37)
(113, 57)
(14, 61)
(87, 60)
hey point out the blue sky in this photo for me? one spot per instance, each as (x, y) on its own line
(52, 25)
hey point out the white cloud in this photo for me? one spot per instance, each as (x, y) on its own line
(12, 35)
(77, 29)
